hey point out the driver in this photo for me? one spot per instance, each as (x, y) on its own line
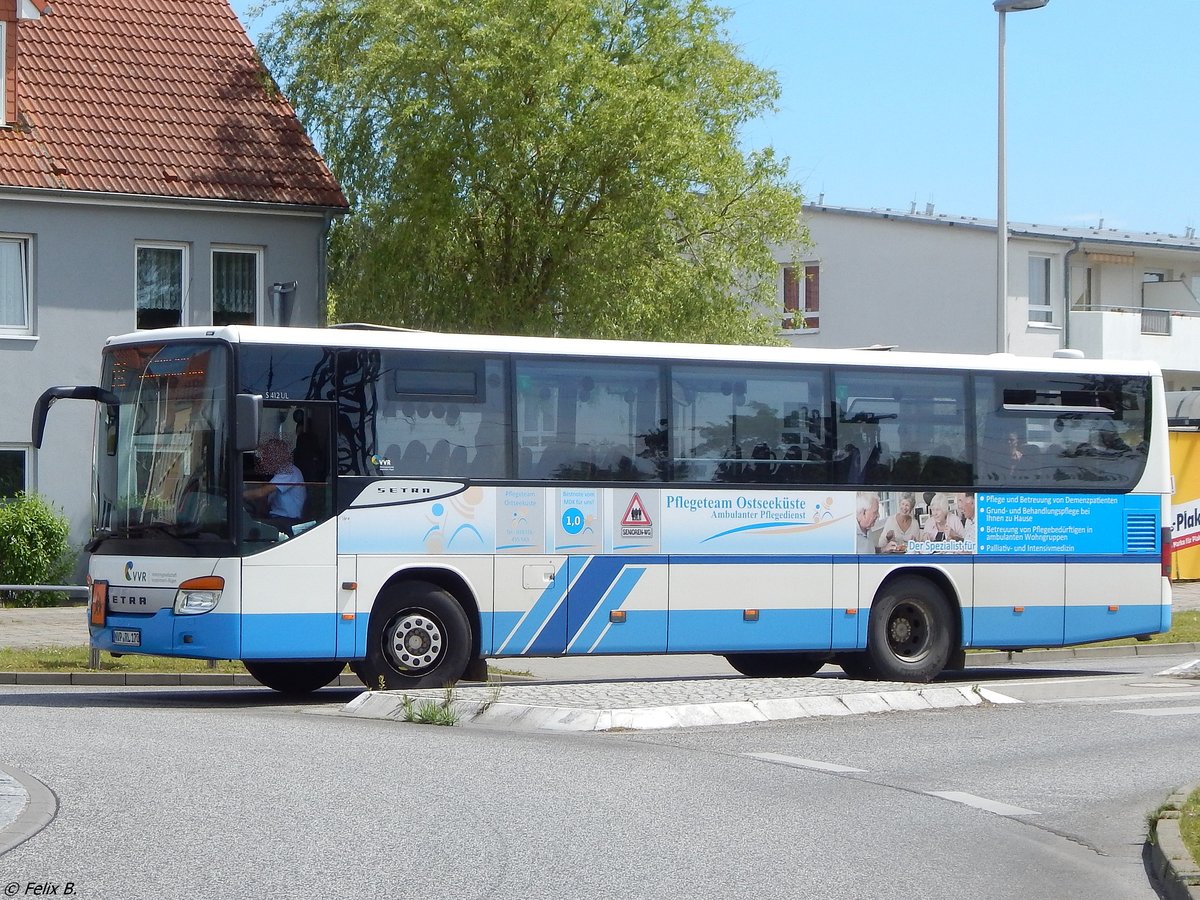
(285, 493)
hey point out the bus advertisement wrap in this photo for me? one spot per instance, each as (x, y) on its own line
(590, 521)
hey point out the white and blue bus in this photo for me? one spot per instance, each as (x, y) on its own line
(444, 499)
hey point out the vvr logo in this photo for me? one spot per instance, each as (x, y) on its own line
(131, 575)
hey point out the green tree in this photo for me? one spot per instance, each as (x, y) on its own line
(541, 166)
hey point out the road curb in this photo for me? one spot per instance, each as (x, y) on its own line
(489, 713)
(1172, 864)
(38, 809)
(996, 657)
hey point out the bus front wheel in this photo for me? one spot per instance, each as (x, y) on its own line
(910, 632)
(777, 665)
(294, 677)
(418, 637)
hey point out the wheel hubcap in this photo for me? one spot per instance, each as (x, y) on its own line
(908, 632)
(415, 642)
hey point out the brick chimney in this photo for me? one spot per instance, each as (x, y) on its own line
(12, 13)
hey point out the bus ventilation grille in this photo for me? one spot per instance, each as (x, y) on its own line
(1141, 533)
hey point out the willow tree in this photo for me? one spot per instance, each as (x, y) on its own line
(541, 166)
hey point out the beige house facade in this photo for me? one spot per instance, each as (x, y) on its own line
(927, 281)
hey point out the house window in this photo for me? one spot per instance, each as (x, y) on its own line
(1040, 311)
(236, 286)
(14, 471)
(14, 285)
(804, 312)
(161, 277)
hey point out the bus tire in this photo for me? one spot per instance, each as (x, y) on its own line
(909, 634)
(294, 677)
(418, 637)
(856, 665)
(777, 665)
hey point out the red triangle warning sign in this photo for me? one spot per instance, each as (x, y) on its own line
(635, 514)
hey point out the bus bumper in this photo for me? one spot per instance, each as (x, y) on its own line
(163, 633)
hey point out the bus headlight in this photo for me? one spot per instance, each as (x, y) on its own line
(198, 595)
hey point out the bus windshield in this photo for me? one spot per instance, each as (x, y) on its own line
(161, 458)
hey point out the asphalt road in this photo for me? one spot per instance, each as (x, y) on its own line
(170, 793)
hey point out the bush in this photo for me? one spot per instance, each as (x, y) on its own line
(34, 549)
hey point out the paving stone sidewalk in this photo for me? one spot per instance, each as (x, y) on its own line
(665, 703)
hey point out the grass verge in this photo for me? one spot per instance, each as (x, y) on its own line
(1189, 824)
(75, 659)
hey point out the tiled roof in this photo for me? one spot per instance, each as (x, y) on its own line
(155, 97)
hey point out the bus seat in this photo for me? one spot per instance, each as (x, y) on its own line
(414, 460)
(309, 457)
(490, 440)
(557, 461)
(486, 462)
(907, 468)
(847, 465)
(439, 458)
(456, 466)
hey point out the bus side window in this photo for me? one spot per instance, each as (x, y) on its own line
(580, 420)
(1058, 430)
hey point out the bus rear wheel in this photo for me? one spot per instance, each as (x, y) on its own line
(418, 637)
(777, 665)
(910, 632)
(294, 677)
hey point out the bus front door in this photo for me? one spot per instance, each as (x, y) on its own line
(290, 595)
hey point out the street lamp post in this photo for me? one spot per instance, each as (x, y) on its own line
(1003, 7)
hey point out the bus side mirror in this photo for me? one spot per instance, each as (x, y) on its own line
(69, 392)
(248, 413)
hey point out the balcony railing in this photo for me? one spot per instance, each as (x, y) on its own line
(1154, 321)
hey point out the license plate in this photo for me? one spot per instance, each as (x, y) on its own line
(127, 637)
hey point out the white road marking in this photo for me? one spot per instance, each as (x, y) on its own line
(1161, 684)
(993, 806)
(798, 763)
(1115, 698)
(1024, 682)
(995, 697)
(1167, 711)
(1183, 667)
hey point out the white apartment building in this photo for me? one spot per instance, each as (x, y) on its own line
(927, 281)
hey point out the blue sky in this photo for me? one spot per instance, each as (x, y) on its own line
(887, 102)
